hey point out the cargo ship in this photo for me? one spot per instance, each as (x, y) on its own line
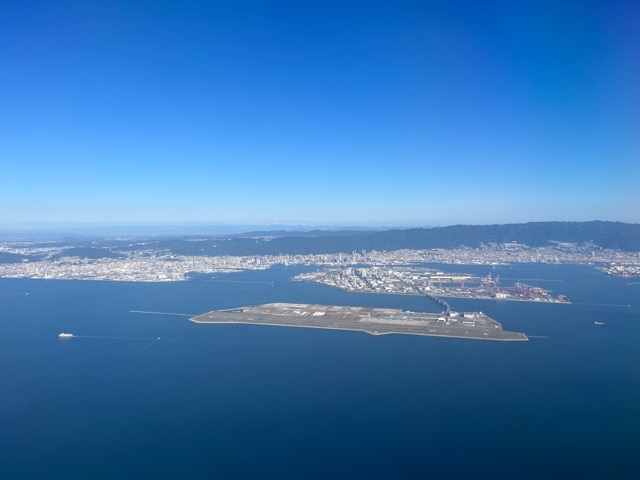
(65, 335)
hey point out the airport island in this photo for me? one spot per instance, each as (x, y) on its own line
(375, 321)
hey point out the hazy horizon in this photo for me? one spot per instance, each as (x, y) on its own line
(214, 228)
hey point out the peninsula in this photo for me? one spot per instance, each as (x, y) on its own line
(375, 321)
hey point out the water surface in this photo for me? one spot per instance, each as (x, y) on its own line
(244, 401)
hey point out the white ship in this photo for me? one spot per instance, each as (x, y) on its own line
(65, 335)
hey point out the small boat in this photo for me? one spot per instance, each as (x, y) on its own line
(65, 335)
(598, 323)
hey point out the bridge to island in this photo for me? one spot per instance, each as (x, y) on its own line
(375, 321)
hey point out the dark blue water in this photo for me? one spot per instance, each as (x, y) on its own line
(234, 401)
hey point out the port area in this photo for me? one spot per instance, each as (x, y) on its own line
(426, 281)
(375, 321)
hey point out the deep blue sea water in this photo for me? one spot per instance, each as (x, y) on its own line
(242, 401)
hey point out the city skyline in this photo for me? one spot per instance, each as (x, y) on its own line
(386, 114)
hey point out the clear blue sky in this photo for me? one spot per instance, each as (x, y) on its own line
(368, 112)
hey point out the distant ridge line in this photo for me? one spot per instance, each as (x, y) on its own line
(600, 234)
(616, 235)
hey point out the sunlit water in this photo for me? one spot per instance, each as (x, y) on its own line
(242, 401)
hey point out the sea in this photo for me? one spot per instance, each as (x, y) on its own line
(260, 402)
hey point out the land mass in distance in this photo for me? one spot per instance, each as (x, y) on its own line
(426, 281)
(376, 321)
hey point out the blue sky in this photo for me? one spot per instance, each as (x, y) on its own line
(394, 113)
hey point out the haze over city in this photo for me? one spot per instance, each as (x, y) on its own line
(334, 113)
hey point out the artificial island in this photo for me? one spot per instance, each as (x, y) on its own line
(426, 281)
(376, 321)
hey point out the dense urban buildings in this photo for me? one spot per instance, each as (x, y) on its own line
(160, 265)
